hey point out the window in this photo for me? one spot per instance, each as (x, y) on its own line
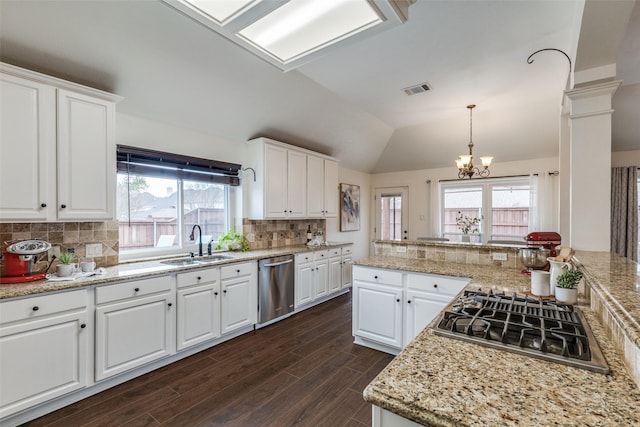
(161, 196)
(503, 204)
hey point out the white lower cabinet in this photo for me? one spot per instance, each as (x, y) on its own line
(304, 292)
(135, 324)
(391, 307)
(347, 267)
(239, 302)
(44, 348)
(335, 270)
(378, 313)
(321, 274)
(198, 307)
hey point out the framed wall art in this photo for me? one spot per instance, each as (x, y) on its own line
(349, 207)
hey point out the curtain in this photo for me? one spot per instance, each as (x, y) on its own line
(624, 212)
(541, 213)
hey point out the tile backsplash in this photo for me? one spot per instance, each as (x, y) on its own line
(67, 235)
(267, 234)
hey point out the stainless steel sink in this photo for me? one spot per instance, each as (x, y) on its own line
(183, 262)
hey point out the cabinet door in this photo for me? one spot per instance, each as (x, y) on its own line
(331, 196)
(422, 308)
(42, 359)
(347, 268)
(239, 305)
(304, 292)
(27, 149)
(315, 187)
(132, 333)
(377, 313)
(335, 274)
(296, 184)
(86, 157)
(321, 278)
(275, 181)
(198, 314)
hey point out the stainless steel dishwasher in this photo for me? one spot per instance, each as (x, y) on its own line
(275, 289)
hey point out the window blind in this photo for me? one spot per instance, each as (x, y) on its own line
(141, 161)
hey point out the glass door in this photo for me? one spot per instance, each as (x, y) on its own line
(392, 213)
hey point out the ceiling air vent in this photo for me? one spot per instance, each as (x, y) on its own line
(413, 90)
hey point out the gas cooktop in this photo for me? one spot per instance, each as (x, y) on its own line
(542, 329)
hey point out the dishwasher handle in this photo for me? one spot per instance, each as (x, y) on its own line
(275, 264)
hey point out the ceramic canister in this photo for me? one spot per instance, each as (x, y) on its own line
(540, 283)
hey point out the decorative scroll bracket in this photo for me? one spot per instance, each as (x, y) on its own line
(530, 58)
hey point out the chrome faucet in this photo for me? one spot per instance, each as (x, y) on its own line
(192, 237)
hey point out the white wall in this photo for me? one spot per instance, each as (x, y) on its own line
(361, 239)
(424, 197)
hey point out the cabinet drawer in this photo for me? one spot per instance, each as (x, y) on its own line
(376, 275)
(197, 277)
(304, 257)
(347, 250)
(435, 284)
(335, 252)
(235, 270)
(118, 291)
(42, 305)
(320, 255)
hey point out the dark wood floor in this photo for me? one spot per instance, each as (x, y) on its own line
(304, 371)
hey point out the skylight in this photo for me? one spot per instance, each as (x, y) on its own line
(289, 33)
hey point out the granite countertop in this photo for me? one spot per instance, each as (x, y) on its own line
(441, 381)
(147, 269)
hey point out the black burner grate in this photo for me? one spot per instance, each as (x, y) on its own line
(543, 329)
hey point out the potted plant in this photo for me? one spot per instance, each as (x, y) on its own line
(467, 225)
(567, 286)
(65, 268)
(233, 241)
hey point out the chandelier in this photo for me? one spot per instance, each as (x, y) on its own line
(465, 162)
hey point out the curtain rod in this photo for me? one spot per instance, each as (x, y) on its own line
(553, 173)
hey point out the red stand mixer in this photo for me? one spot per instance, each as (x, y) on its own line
(540, 246)
(19, 258)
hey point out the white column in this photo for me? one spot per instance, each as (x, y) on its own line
(590, 166)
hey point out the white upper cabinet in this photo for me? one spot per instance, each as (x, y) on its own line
(86, 157)
(27, 148)
(289, 181)
(57, 149)
(322, 184)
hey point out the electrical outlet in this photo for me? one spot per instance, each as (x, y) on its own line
(401, 249)
(499, 256)
(54, 252)
(93, 250)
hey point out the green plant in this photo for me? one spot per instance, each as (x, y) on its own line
(233, 241)
(66, 258)
(467, 224)
(569, 279)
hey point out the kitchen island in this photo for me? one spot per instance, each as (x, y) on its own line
(441, 381)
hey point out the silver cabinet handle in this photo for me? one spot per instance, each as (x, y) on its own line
(275, 264)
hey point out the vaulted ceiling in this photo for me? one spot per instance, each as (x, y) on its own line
(348, 103)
